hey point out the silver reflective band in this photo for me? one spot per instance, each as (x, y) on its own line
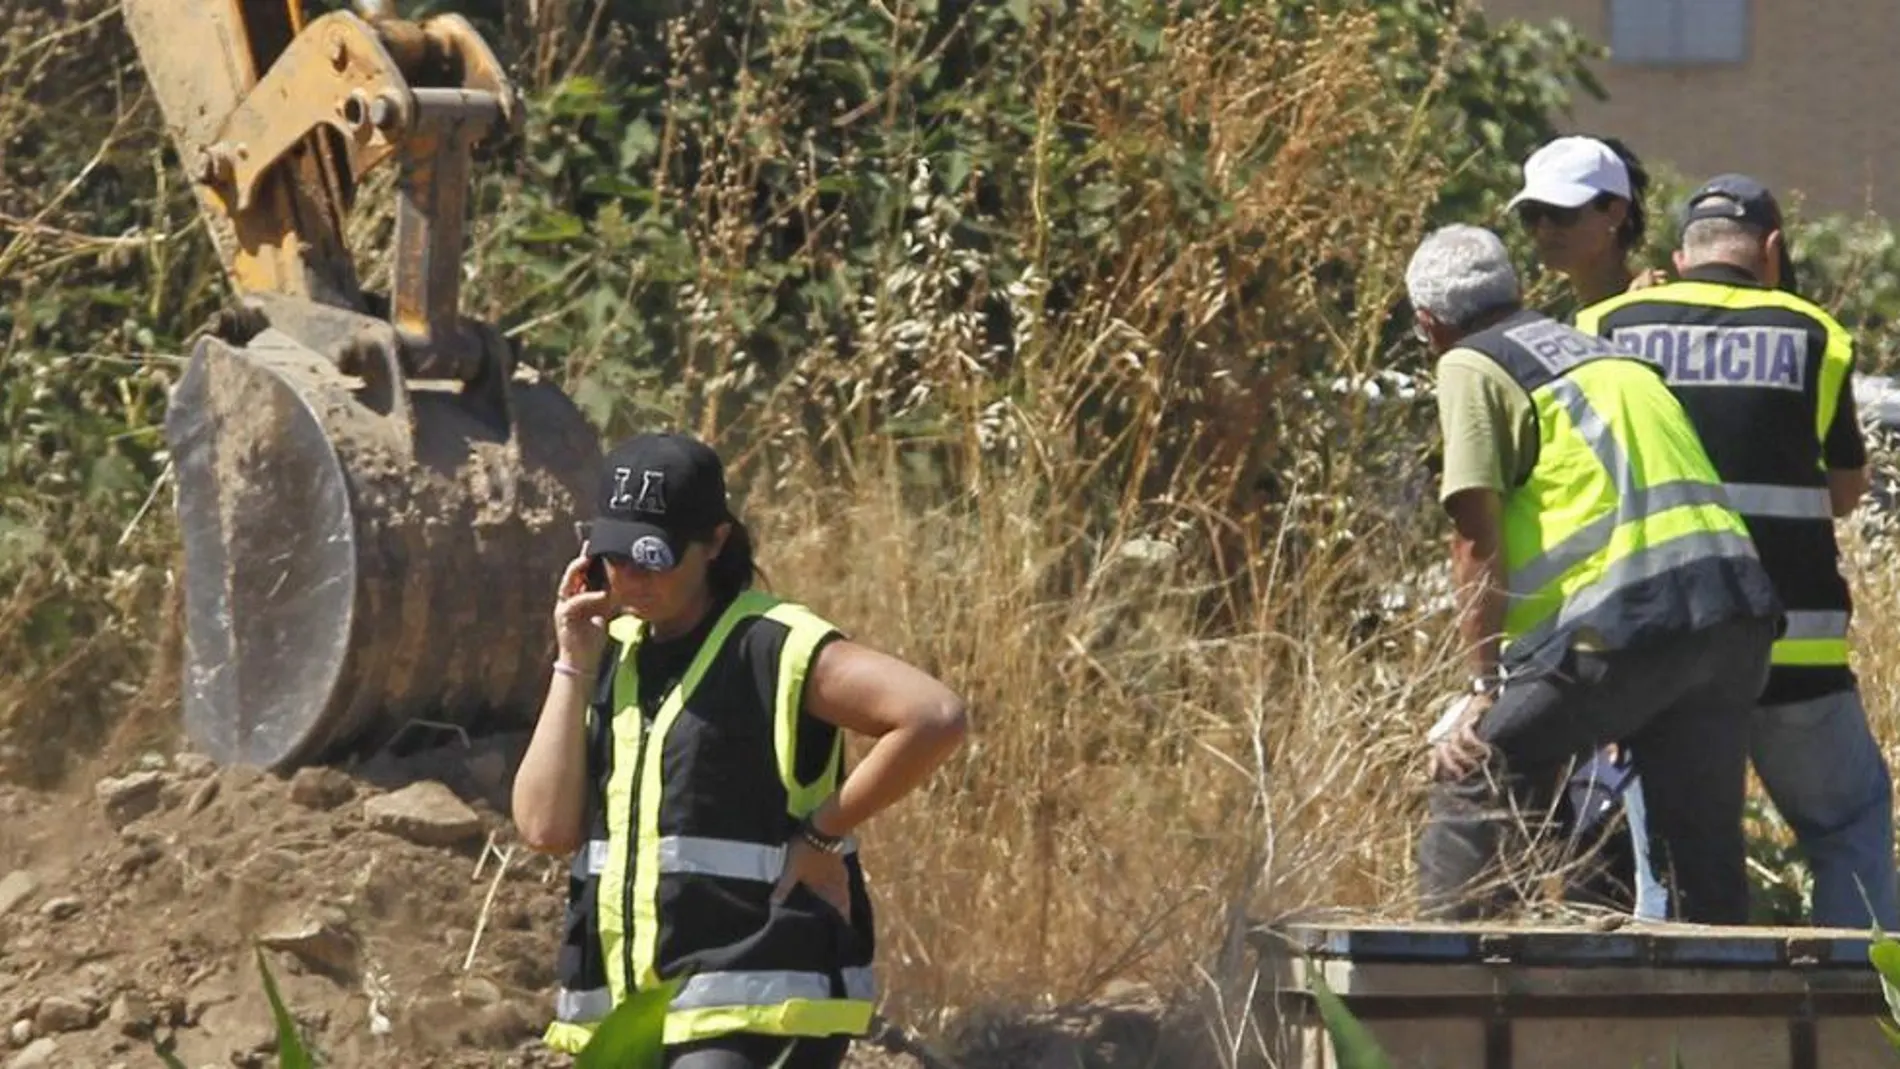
(1645, 564)
(1531, 576)
(596, 856)
(713, 989)
(860, 983)
(685, 854)
(1781, 502)
(1596, 433)
(1821, 624)
(721, 857)
(581, 1007)
(760, 988)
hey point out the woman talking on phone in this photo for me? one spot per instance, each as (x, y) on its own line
(690, 757)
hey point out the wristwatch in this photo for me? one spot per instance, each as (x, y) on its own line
(818, 840)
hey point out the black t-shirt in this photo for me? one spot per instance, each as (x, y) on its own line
(663, 663)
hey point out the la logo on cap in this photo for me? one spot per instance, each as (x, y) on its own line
(652, 497)
(652, 493)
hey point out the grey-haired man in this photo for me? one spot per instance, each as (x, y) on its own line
(1607, 592)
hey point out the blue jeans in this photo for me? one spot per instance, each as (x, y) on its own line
(1830, 782)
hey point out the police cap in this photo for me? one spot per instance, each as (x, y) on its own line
(1744, 200)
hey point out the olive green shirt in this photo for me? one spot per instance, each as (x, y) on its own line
(1488, 425)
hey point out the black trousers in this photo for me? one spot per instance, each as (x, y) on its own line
(1683, 709)
(749, 1051)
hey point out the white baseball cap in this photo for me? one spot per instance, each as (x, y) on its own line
(1571, 172)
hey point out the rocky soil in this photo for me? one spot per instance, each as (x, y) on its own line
(403, 923)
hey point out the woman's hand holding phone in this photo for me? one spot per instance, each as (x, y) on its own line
(580, 616)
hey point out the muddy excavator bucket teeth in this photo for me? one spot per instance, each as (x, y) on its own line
(361, 552)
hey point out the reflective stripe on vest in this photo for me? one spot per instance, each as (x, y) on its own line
(1781, 502)
(583, 1006)
(1815, 638)
(724, 989)
(629, 928)
(712, 857)
(1761, 372)
(766, 988)
(1584, 608)
(1549, 565)
(725, 858)
(1621, 493)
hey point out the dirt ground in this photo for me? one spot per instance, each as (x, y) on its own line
(403, 923)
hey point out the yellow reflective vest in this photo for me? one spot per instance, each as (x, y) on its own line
(693, 803)
(1620, 534)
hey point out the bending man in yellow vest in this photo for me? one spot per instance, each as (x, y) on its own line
(1768, 379)
(690, 758)
(1606, 593)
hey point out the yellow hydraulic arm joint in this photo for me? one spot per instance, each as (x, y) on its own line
(372, 492)
(281, 121)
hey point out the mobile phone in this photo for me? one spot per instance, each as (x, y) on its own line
(596, 577)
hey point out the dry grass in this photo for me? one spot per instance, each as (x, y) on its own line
(1143, 537)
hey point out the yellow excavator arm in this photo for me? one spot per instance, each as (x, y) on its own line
(277, 121)
(374, 499)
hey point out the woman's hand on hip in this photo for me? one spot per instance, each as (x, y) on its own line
(824, 873)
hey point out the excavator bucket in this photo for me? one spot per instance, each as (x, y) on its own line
(375, 501)
(362, 552)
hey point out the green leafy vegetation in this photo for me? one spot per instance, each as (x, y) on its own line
(1056, 344)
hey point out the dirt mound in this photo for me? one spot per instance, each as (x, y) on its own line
(404, 924)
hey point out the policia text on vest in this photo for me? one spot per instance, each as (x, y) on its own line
(1766, 377)
(679, 868)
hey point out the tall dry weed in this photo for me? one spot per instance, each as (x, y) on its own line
(102, 268)
(1147, 494)
(1126, 533)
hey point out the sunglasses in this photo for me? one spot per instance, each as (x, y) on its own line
(1532, 213)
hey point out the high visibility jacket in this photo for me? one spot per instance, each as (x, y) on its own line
(1762, 374)
(689, 818)
(1619, 534)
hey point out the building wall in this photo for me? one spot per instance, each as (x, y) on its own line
(1810, 111)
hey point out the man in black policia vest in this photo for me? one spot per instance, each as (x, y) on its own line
(1606, 594)
(1768, 379)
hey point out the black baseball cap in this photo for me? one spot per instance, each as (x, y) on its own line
(1733, 196)
(658, 492)
(1744, 200)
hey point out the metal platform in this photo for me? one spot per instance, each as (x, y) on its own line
(1485, 997)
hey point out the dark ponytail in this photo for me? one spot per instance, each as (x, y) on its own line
(735, 568)
(1630, 235)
